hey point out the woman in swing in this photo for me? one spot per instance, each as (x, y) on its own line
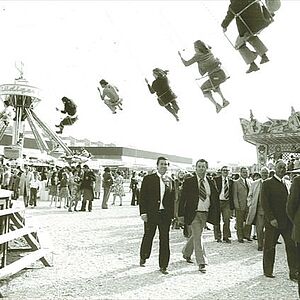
(110, 96)
(165, 95)
(208, 66)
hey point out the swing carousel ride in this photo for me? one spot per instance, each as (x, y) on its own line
(275, 138)
(22, 98)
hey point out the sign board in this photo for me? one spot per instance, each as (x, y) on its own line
(12, 152)
(19, 89)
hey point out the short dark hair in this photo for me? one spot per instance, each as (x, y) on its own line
(160, 158)
(224, 168)
(202, 161)
(103, 81)
(106, 169)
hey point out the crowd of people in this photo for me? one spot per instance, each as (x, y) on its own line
(266, 204)
(64, 186)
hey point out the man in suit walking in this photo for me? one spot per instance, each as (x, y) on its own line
(293, 211)
(274, 196)
(256, 212)
(199, 204)
(225, 192)
(156, 205)
(240, 194)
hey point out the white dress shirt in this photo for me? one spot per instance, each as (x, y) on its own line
(222, 194)
(162, 190)
(204, 205)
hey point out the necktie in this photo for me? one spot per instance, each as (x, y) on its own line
(284, 185)
(202, 190)
(226, 189)
(247, 187)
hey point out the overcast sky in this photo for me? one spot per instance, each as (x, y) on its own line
(68, 46)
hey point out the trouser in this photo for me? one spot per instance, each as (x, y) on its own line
(25, 196)
(195, 241)
(298, 260)
(135, 196)
(260, 225)
(163, 223)
(90, 205)
(271, 236)
(257, 44)
(226, 213)
(106, 193)
(33, 196)
(243, 230)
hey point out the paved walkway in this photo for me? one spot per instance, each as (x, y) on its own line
(96, 256)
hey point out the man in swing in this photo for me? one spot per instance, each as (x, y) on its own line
(70, 109)
(208, 66)
(113, 101)
(251, 18)
(165, 95)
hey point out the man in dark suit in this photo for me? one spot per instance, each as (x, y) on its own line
(87, 188)
(274, 196)
(199, 204)
(156, 205)
(225, 192)
(293, 211)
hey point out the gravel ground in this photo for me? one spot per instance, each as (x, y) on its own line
(96, 256)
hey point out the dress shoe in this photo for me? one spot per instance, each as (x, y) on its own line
(254, 237)
(294, 277)
(218, 107)
(269, 275)
(253, 67)
(225, 103)
(228, 241)
(248, 239)
(219, 241)
(264, 59)
(142, 262)
(59, 132)
(164, 271)
(241, 241)
(188, 259)
(202, 268)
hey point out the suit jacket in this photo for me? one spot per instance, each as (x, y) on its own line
(293, 208)
(252, 200)
(190, 197)
(219, 183)
(253, 16)
(149, 201)
(240, 193)
(273, 199)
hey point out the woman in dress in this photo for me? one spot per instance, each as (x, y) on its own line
(118, 188)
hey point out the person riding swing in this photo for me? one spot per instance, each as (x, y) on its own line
(112, 100)
(70, 109)
(210, 67)
(251, 18)
(165, 95)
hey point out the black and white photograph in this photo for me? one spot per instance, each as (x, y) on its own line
(149, 149)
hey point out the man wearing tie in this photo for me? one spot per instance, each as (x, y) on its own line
(256, 212)
(224, 185)
(293, 211)
(274, 196)
(156, 203)
(199, 204)
(240, 194)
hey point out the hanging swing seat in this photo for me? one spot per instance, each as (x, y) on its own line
(266, 14)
